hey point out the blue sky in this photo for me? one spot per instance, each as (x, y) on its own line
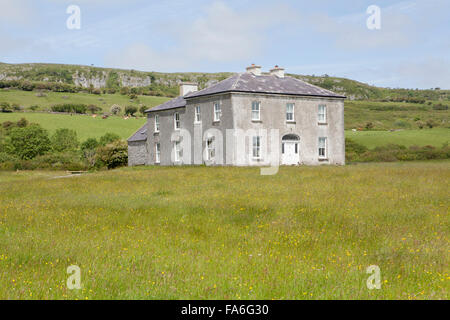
(411, 49)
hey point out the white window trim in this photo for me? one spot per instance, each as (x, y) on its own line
(217, 119)
(177, 157)
(324, 114)
(259, 110)
(293, 112)
(199, 114)
(324, 156)
(156, 123)
(256, 147)
(175, 121)
(157, 153)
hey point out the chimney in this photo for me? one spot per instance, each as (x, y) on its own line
(277, 71)
(256, 70)
(187, 87)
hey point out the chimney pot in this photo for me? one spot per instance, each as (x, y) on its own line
(255, 70)
(277, 71)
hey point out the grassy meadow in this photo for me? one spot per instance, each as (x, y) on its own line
(227, 233)
(420, 137)
(85, 126)
(104, 101)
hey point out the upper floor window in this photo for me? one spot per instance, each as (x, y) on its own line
(157, 153)
(289, 112)
(256, 147)
(156, 123)
(322, 113)
(256, 110)
(198, 116)
(217, 111)
(322, 147)
(176, 121)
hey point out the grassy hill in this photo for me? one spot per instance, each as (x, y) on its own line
(227, 233)
(166, 84)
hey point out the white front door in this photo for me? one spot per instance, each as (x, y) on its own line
(290, 153)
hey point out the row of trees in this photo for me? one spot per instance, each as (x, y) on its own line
(29, 146)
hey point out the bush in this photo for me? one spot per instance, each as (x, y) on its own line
(29, 142)
(89, 144)
(115, 109)
(64, 140)
(52, 161)
(113, 155)
(93, 108)
(34, 107)
(142, 109)
(430, 124)
(130, 110)
(440, 106)
(108, 138)
(5, 107)
(69, 108)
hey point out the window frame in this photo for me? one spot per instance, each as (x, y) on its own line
(217, 111)
(256, 146)
(258, 104)
(157, 123)
(197, 114)
(288, 113)
(210, 149)
(324, 147)
(177, 156)
(176, 122)
(157, 152)
(319, 114)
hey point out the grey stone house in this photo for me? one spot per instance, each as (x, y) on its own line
(205, 127)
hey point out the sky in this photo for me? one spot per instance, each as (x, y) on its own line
(410, 49)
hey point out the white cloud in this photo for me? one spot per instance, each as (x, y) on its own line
(16, 11)
(219, 35)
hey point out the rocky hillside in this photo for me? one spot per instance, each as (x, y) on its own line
(78, 78)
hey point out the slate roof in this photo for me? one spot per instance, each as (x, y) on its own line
(248, 82)
(178, 102)
(140, 135)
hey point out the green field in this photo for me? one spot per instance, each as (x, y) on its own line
(434, 137)
(85, 126)
(226, 233)
(104, 101)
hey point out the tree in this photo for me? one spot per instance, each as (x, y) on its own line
(108, 138)
(113, 155)
(89, 150)
(130, 110)
(29, 142)
(89, 144)
(115, 109)
(64, 140)
(142, 109)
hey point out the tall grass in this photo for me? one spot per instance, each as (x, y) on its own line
(225, 232)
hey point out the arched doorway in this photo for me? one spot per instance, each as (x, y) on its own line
(290, 149)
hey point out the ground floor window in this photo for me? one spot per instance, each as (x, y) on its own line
(256, 147)
(157, 153)
(177, 151)
(322, 147)
(210, 152)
